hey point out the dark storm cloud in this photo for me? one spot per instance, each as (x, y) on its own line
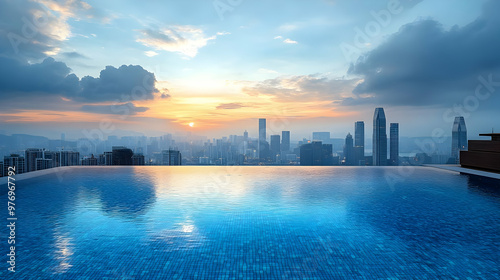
(49, 77)
(124, 84)
(115, 109)
(423, 64)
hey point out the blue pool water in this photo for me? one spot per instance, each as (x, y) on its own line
(255, 223)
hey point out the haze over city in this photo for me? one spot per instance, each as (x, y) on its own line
(213, 68)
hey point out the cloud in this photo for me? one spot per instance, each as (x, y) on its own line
(51, 77)
(115, 109)
(424, 64)
(289, 41)
(30, 30)
(76, 9)
(151, 53)
(268, 71)
(36, 29)
(286, 41)
(165, 96)
(229, 106)
(186, 40)
(126, 83)
(73, 55)
(303, 88)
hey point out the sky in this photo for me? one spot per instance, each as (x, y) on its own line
(213, 67)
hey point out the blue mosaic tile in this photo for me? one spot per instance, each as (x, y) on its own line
(256, 223)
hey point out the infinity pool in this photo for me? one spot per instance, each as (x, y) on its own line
(255, 223)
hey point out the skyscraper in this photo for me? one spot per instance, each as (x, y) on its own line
(67, 158)
(359, 143)
(30, 156)
(316, 154)
(359, 134)
(43, 163)
(171, 157)
(379, 138)
(16, 161)
(275, 146)
(285, 141)
(138, 159)
(394, 140)
(459, 138)
(121, 155)
(349, 150)
(262, 138)
(321, 136)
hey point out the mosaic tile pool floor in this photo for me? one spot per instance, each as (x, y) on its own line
(256, 223)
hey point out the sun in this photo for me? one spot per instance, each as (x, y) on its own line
(191, 124)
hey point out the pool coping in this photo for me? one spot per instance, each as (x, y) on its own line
(64, 169)
(460, 169)
(33, 174)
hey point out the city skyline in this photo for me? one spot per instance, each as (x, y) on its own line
(320, 150)
(210, 72)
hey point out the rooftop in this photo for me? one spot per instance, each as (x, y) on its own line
(494, 136)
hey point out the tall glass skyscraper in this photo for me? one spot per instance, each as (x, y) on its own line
(262, 137)
(379, 138)
(285, 141)
(359, 134)
(458, 138)
(275, 147)
(359, 143)
(394, 138)
(349, 150)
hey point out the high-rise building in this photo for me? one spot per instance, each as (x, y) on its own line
(16, 161)
(275, 146)
(89, 161)
(285, 141)
(359, 143)
(138, 159)
(245, 136)
(171, 157)
(1, 169)
(349, 150)
(316, 154)
(359, 134)
(67, 158)
(121, 155)
(327, 154)
(306, 154)
(30, 156)
(108, 158)
(261, 144)
(394, 144)
(379, 138)
(458, 138)
(43, 163)
(321, 136)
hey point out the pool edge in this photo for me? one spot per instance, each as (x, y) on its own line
(459, 169)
